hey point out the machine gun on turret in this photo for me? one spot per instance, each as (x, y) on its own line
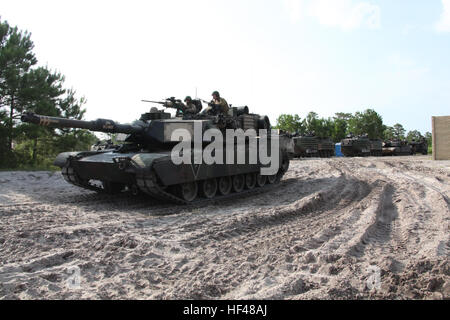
(171, 103)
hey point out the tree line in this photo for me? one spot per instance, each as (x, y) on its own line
(338, 127)
(25, 86)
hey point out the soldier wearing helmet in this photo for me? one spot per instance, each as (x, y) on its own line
(191, 107)
(217, 104)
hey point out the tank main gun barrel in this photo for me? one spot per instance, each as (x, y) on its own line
(100, 125)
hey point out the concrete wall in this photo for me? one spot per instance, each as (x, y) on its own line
(441, 138)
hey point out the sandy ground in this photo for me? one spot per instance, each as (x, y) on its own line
(361, 228)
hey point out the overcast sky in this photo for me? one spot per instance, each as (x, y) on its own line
(291, 56)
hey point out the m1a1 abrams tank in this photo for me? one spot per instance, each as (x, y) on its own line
(144, 164)
(420, 146)
(326, 148)
(355, 146)
(306, 146)
(376, 147)
(396, 148)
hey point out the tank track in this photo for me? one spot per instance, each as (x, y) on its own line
(71, 177)
(147, 183)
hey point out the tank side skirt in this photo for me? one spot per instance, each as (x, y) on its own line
(171, 174)
(146, 181)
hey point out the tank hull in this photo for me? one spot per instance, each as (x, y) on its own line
(156, 174)
(397, 151)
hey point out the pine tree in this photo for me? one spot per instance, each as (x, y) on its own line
(16, 59)
(24, 87)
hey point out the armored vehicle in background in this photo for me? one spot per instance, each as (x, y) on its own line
(355, 146)
(286, 142)
(143, 163)
(396, 148)
(419, 146)
(376, 147)
(326, 148)
(306, 146)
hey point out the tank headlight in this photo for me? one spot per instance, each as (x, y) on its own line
(122, 162)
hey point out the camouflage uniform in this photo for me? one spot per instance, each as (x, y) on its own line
(221, 105)
(190, 107)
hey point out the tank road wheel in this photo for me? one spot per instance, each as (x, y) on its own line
(250, 180)
(208, 188)
(284, 163)
(272, 179)
(238, 183)
(112, 187)
(188, 191)
(260, 180)
(135, 191)
(225, 184)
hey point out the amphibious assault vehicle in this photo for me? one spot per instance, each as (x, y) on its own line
(376, 147)
(396, 148)
(310, 145)
(306, 146)
(419, 146)
(354, 146)
(143, 163)
(326, 148)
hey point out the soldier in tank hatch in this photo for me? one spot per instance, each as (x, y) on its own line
(192, 106)
(217, 105)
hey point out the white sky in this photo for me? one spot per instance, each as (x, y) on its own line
(291, 56)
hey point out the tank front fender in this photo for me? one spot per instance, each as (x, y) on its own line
(61, 159)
